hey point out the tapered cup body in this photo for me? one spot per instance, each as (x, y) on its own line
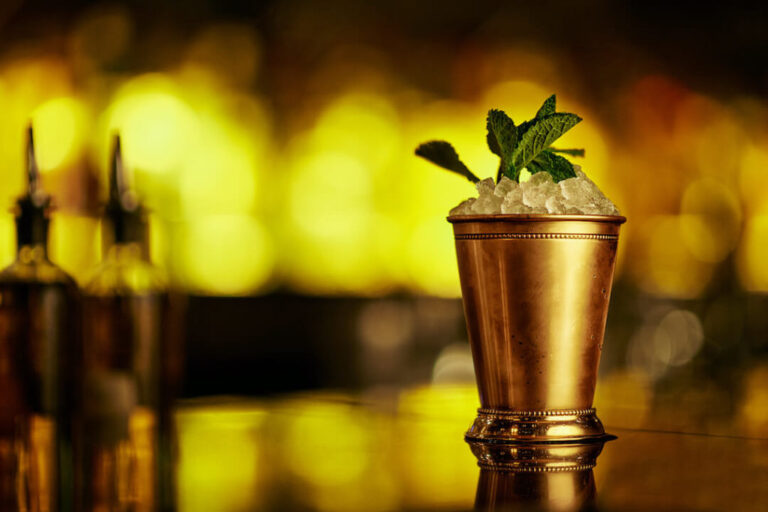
(536, 290)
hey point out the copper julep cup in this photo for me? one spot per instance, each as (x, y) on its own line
(536, 290)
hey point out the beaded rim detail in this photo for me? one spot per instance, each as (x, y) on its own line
(534, 469)
(538, 414)
(515, 236)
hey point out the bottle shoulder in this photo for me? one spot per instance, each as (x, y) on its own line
(135, 276)
(35, 272)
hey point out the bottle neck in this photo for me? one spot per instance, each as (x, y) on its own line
(125, 239)
(31, 226)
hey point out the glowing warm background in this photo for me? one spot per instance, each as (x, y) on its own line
(276, 155)
(337, 203)
(325, 195)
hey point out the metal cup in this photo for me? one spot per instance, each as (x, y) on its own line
(536, 290)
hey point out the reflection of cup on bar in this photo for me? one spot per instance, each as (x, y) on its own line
(536, 476)
(536, 291)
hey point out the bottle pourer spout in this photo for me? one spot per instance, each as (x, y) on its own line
(120, 193)
(32, 208)
(34, 189)
(123, 211)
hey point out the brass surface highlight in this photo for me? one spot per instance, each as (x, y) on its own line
(536, 290)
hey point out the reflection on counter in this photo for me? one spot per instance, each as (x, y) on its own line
(390, 450)
(556, 491)
(537, 476)
(329, 452)
(220, 464)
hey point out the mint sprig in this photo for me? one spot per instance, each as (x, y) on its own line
(528, 145)
(442, 153)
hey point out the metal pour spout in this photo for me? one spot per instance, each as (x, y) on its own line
(34, 190)
(32, 207)
(123, 212)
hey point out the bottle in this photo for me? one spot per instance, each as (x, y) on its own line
(123, 416)
(38, 304)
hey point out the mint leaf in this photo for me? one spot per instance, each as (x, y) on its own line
(540, 135)
(548, 108)
(504, 131)
(560, 168)
(527, 145)
(524, 127)
(490, 137)
(442, 153)
(493, 145)
(572, 152)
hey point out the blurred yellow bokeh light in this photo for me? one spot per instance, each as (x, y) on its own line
(25, 85)
(753, 271)
(7, 239)
(329, 449)
(711, 219)
(329, 198)
(60, 132)
(219, 173)
(753, 179)
(157, 125)
(668, 268)
(624, 398)
(225, 254)
(219, 459)
(753, 410)
(437, 471)
(432, 259)
(330, 201)
(328, 445)
(365, 126)
(427, 193)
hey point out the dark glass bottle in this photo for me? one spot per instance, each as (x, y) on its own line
(37, 332)
(123, 417)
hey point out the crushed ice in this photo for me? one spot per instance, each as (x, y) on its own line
(540, 194)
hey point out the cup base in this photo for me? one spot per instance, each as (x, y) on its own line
(557, 425)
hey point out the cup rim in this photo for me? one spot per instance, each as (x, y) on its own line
(534, 217)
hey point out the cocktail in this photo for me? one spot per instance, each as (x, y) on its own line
(536, 253)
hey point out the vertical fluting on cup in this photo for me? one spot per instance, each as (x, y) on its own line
(536, 290)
